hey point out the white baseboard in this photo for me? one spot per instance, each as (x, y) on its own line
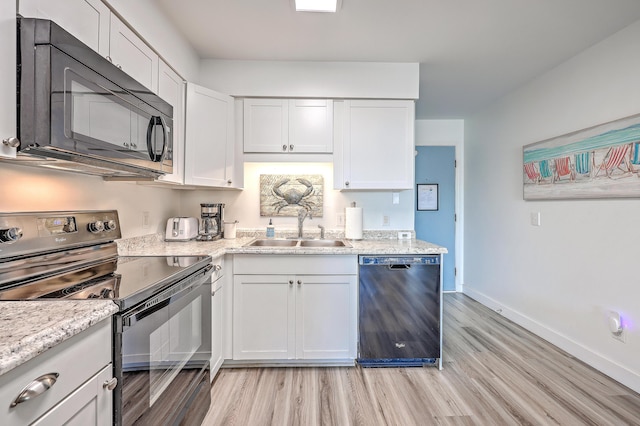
(586, 355)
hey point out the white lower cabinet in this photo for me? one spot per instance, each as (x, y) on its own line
(308, 315)
(80, 371)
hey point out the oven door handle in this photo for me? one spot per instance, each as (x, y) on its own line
(164, 298)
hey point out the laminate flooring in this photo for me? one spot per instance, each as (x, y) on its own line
(494, 373)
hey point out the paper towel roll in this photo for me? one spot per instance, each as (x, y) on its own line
(353, 223)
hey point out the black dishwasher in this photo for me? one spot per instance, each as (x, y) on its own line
(400, 307)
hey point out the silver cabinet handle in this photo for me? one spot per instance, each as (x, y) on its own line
(35, 388)
(110, 384)
(11, 142)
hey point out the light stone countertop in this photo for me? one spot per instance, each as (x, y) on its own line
(29, 328)
(155, 246)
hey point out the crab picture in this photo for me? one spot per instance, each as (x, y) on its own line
(292, 196)
(288, 194)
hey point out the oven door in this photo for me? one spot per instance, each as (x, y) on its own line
(161, 356)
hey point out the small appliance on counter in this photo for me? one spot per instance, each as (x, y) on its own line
(211, 221)
(181, 229)
(230, 230)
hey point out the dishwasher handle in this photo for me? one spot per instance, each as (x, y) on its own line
(397, 261)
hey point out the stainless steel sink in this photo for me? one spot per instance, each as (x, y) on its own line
(274, 243)
(322, 243)
(297, 243)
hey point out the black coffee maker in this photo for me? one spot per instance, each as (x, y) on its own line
(211, 218)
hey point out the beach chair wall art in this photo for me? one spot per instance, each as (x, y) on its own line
(599, 162)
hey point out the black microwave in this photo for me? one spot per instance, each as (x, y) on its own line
(77, 111)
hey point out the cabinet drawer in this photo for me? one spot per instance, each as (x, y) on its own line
(75, 360)
(261, 264)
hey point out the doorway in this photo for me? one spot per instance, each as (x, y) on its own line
(436, 165)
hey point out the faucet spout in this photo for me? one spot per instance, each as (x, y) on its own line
(302, 215)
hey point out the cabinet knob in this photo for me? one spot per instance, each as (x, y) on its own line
(299, 282)
(217, 267)
(290, 282)
(284, 147)
(11, 142)
(109, 58)
(290, 147)
(229, 182)
(346, 183)
(110, 384)
(35, 388)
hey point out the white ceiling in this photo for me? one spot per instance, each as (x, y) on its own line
(471, 52)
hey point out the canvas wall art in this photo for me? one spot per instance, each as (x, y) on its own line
(599, 162)
(285, 195)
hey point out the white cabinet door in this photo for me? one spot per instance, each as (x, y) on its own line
(134, 56)
(8, 123)
(87, 20)
(89, 405)
(326, 316)
(171, 88)
(377, 146)
(263, 317)
(266, 125)
(311, 126)
(288, 126)
(217, 299)
(209, 141)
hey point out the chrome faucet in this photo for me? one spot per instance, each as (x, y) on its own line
(302, 215)
(321, 232)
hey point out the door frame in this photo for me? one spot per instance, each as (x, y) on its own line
(448, 133)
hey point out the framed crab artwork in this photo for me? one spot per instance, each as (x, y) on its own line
(285, 195)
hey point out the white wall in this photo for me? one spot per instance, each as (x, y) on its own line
(370, 80)
(561, 278)
(244, 206)
(449, 133)
(33, 189)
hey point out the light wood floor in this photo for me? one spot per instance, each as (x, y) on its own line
(495, 373)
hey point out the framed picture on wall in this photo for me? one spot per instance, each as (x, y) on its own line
(427, 196)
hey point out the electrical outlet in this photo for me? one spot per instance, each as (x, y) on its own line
(340, 219)
(535, 218)
(403, 235)
(617, 326)
(145, 220)
(386, 221)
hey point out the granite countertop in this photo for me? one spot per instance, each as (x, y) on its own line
(31, 327)
(156, 246)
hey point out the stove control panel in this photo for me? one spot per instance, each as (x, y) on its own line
(24, 233)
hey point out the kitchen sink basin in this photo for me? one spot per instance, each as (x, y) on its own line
(274, 243)
(322, 243)
(297, 243)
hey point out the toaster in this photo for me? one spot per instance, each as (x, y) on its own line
(181, 229)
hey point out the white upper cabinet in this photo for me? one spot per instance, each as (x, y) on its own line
(374, 145)
(171, 88)
(8, 120)
(128, 52)
(87, 20)
(209, 141)
(288, 126)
